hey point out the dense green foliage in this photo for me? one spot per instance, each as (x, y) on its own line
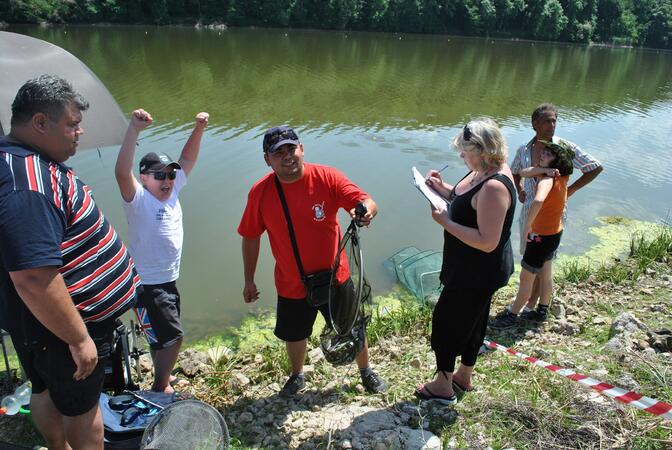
(641, 22)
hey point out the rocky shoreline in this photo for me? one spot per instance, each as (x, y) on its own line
(336, 413)
(617, 332)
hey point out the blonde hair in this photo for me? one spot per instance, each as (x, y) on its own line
(484, 138)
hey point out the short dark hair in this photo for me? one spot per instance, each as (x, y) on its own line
(48, 94)
(542, 110)
(564, 157)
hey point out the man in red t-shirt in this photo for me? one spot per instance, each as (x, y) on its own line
(313, 194)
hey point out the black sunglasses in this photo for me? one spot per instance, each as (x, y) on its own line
(160, 175)
(467, 133)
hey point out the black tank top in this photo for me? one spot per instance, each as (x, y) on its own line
(467, 267)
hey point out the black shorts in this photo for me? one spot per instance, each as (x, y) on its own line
(295, 317)
(50, 366)
(158, 311)
(538, 250)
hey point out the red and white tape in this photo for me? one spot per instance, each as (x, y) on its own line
(648, 404)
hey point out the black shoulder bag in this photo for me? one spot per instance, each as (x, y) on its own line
(318, 283)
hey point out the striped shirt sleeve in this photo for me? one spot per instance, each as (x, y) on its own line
(31, 230)
(517, 164)
(583, 161)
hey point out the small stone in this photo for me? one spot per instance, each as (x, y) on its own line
(558, 310)
(599, 320)
(146, 364)
(238, 381)
(599, 373)
(308, 370)
(415, 363)
(258, 359)
(346, 444)
(394, 350)
(315, 355)
(192, 362)
(245, 417)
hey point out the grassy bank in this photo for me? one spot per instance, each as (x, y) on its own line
(515, 404)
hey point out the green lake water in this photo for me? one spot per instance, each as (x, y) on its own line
(373, 105)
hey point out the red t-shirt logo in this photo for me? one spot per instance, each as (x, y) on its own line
(318, 209)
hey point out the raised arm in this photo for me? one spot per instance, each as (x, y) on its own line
(250, 258)
(123, 170)
(531, 172)
(192, 147)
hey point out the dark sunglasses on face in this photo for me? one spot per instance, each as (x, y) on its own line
(160, 176)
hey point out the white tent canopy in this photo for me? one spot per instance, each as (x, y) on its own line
(23, 57)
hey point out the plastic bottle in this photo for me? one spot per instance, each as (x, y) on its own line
(23, 393)
(10, 405)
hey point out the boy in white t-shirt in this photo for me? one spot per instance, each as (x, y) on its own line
(155, 237)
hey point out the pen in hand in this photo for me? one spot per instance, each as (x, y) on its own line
(438, 172)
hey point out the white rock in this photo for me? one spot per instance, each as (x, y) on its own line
(418, 439)
(315, 355)
(346, 444)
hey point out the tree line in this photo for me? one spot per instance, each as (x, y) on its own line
(622, 22)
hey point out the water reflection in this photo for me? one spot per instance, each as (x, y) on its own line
(331, 81)
(373, 105)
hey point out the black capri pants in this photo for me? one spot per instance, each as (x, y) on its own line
(459, 323)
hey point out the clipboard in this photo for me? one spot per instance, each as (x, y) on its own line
(430, 194)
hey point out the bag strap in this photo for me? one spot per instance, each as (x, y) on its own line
(290, 228)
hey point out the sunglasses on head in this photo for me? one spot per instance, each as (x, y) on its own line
(466, 133)
(160, 175)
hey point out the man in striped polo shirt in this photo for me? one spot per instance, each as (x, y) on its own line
(64, 273)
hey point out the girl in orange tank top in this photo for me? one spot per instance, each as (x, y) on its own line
(543, 231)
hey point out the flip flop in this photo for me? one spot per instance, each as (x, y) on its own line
(425, 394)
(459, 387)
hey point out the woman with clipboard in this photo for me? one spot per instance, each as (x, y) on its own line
(477, 256)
